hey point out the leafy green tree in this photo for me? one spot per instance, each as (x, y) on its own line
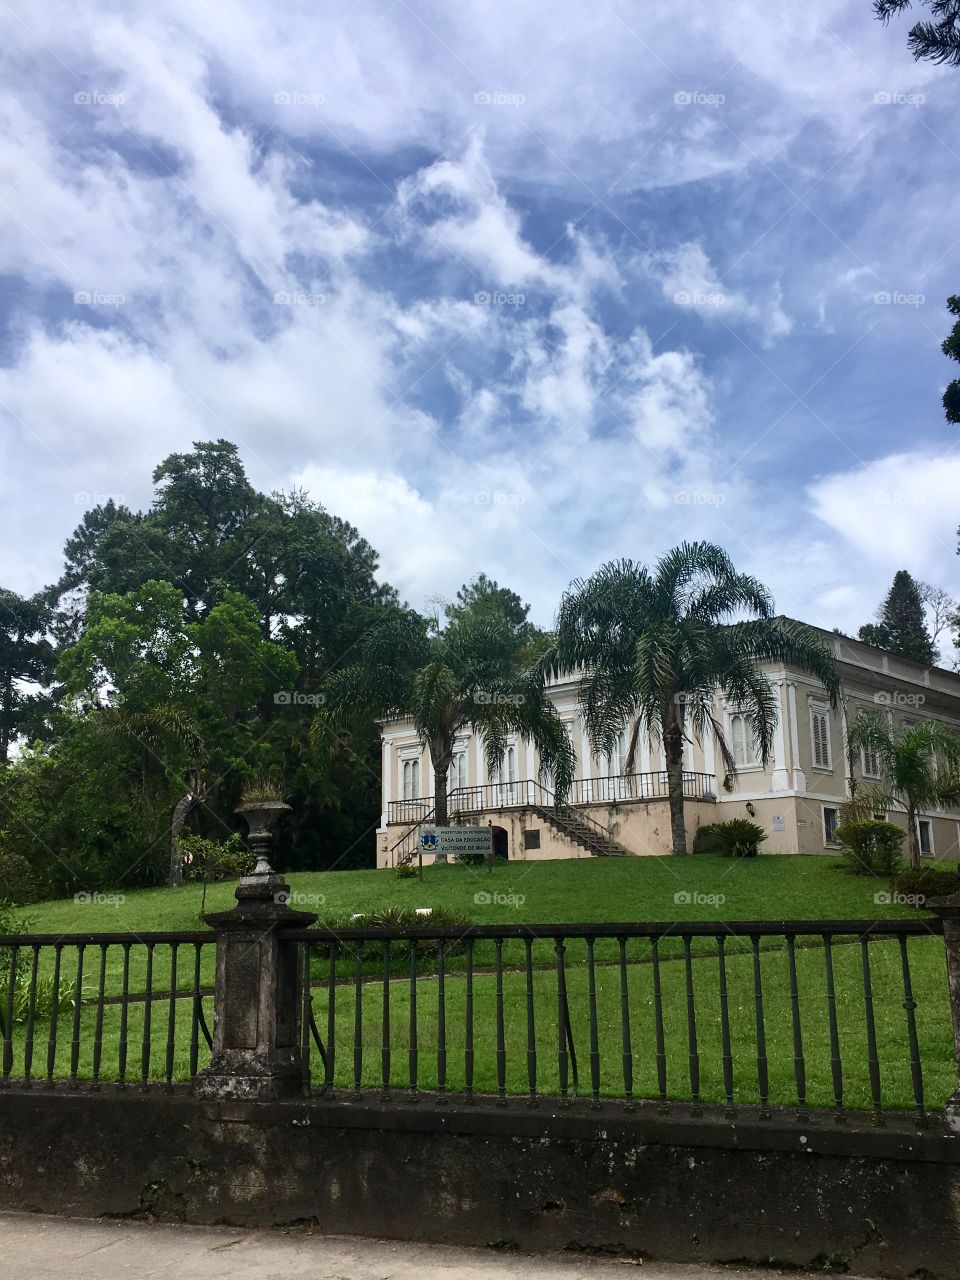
(951, 349)
(655, 648)
(937, 41)
(901, 625)
(470, 675)
(186, 694)
(26, 656)
(483, 597)
(313, 582)
(919, 767)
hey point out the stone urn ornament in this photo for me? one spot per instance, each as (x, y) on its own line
(261, 817)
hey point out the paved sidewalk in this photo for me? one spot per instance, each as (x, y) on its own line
(33, 1247)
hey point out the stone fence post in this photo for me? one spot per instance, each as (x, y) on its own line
(258, 998)
(948, 909)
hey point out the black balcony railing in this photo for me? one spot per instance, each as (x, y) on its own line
(615, 789)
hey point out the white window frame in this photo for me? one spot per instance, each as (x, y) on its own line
(750, 765)
(817, 710)
(925, 853)
(411, 766)
(834, 809)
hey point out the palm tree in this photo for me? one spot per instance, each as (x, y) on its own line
(919, 767)
(474, 673)
(655, 647)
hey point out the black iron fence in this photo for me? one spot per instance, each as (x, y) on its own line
(829, 1013)
(819, 1013)
(106, 1006)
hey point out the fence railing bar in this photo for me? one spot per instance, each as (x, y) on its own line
(910, 1005)
(385, 1044)
(147, 1018)
(594, 1034)
(8, 1017)
(441, 1026)
(54, 1011)
(412, 1054)
(658, 1022)
(468, 1054)
(331, 1018)
(726, 1051)
(531, 1027)
(171, 1015)
(77, 1002)
(98, 1028)
(358, 1022)
(763, 1082)
(836, 1064)
(124, 1015)
(31, 1014)
(626, 1040)
(691, 1025)
(873, 1061)
(799, 1062)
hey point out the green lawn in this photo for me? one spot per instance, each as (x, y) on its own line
(597, 890)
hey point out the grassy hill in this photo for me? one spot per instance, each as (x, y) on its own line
(609, 889)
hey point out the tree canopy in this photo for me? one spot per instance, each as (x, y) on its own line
(901, 625)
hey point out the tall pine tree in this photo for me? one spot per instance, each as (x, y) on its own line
(901, 625)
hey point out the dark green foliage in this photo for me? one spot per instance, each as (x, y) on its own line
(937, 41)
(26, 656)
(901, 626)
(951, 349)
(208, 860)
(871, 846)
(923, 883)
(735, 838)
(18, 884)
(707, 839)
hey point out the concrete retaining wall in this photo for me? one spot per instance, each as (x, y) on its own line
(879, 1201)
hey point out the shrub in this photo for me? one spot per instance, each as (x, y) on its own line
(17, 877)
(924, 883)
(405, 870)
(213, 860)
(707, 840)
(870, 846)
(43, 998)
(736, 838)
(397, 917)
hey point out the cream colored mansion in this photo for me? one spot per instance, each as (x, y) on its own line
(795, 797)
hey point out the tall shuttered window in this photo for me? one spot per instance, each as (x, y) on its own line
(820, 736)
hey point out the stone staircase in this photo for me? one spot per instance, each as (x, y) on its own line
(581, 830)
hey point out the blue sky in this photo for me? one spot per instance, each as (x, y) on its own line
(514, 288)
